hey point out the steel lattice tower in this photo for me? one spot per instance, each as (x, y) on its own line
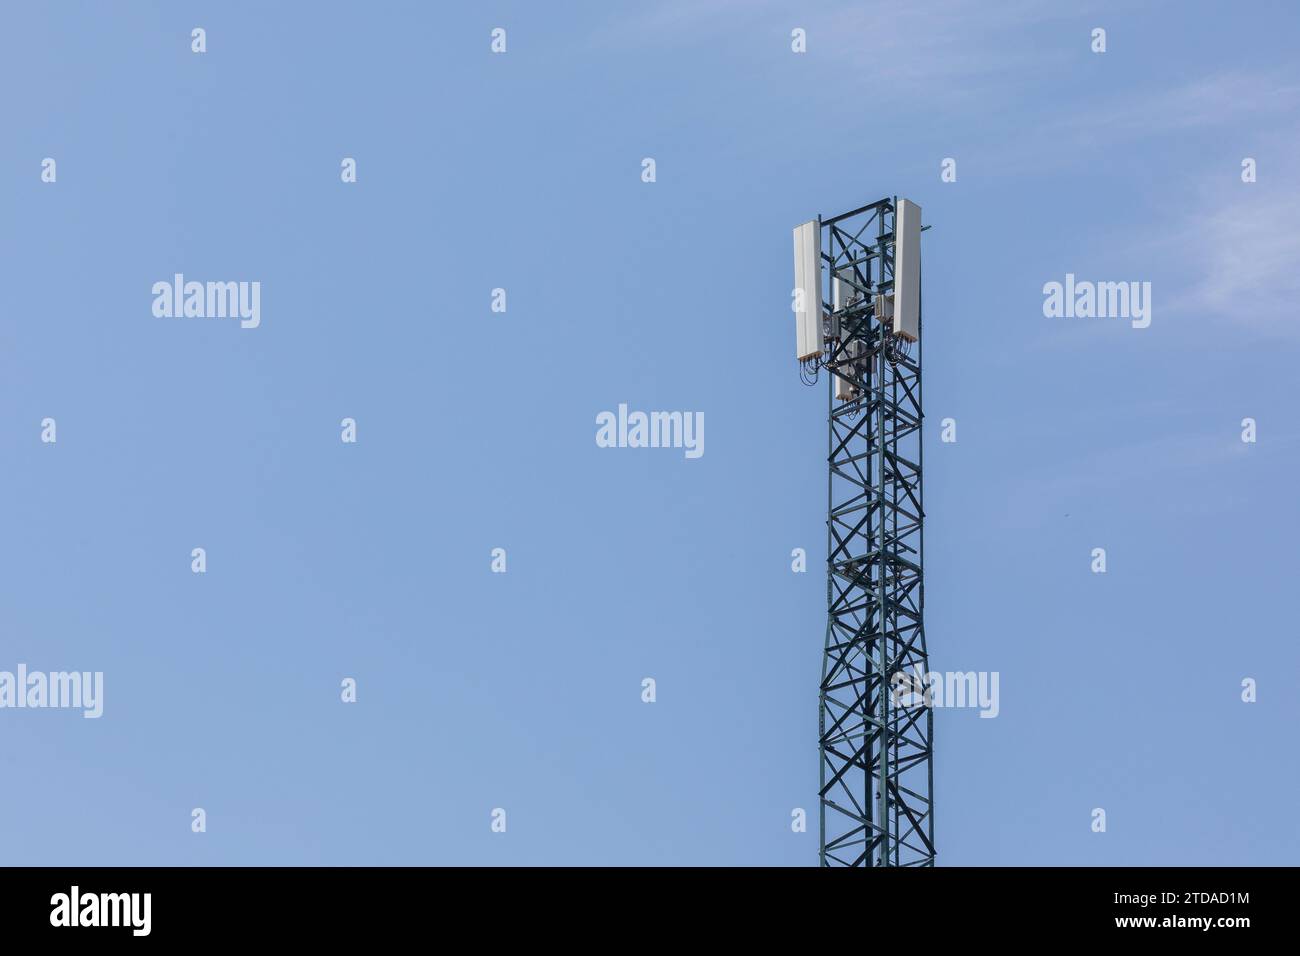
(876, 728)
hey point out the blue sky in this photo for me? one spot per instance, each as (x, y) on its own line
(476, 429)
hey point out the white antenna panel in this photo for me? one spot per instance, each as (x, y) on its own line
(907, 270)
(808, 282)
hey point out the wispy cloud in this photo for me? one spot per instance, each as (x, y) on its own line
(1244, 259)
(683, 22)
(1220, 99)
(1228, 251)
(1235, 246)
(940, 51)
(1055, 138)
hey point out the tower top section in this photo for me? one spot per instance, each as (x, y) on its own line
(877, 270)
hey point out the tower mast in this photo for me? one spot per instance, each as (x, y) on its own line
(876, 725)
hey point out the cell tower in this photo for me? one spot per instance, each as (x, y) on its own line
(876, 727)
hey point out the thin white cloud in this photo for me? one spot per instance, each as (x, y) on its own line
(948, 48)
(671, 23)
(1228, 252)
(938, 51)
(1244, 258)
(1235, 249)
(1209, 102)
